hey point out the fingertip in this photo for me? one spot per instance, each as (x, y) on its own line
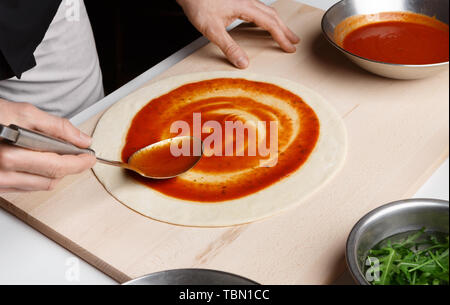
(90, 159)
(85, 139)
(290, 49)
(242, 62)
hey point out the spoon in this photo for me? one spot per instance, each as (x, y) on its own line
(155, 161)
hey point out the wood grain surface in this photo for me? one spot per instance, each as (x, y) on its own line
(398, 132)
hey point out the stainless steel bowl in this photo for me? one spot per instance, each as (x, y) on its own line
(191, 277)
(389, 220)
(347, 8)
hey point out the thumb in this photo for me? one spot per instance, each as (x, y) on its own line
(58, 127)
(230, 48)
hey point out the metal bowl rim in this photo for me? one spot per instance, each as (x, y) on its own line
(351, 241)
(250, 282)
(368, 59)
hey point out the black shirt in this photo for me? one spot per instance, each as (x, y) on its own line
(23, 24)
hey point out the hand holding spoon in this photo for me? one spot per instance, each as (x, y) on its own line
(155, 161)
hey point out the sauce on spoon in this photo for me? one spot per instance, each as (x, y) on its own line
(159, 162)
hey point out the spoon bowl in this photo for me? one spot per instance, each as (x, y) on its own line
(165, 159)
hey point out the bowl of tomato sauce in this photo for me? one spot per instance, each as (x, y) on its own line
(399, 39)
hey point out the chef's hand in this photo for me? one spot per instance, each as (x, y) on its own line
(211, 17)
(23, 170)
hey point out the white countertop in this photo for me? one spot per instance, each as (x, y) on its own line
(28, 257)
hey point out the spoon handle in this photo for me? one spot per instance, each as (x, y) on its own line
(37, 141)
(114, 163)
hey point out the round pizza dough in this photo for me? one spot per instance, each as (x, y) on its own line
(325, 161)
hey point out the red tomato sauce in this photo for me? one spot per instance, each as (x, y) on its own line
(401, 42)
(159, 161)
(153, 122)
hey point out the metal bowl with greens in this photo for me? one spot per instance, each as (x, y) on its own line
(402, 243)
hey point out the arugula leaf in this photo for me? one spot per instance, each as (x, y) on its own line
(419, 259)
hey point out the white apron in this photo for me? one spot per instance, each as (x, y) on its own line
(67, 77)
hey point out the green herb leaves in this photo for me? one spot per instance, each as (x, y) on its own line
(420, 259)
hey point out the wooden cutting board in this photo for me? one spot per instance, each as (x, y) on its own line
(398, 133)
